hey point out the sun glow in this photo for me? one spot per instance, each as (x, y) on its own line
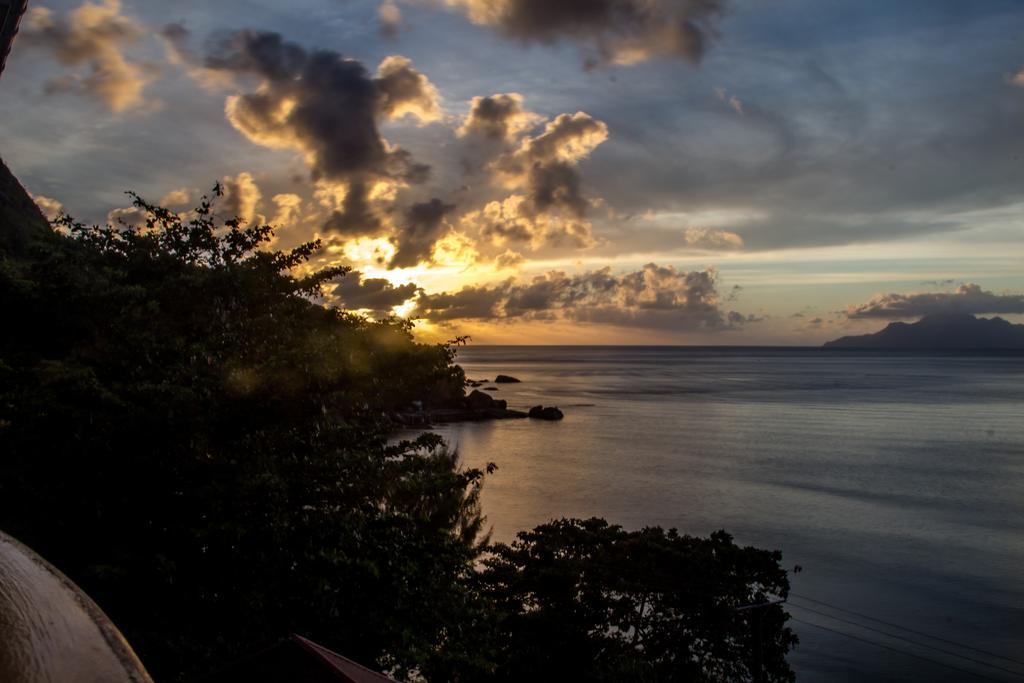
(403, 310)
(369, 250)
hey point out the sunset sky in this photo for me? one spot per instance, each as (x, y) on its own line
(523, 171)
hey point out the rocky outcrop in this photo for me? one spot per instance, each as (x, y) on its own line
(549, 413)
(476, 407)
(478, 400)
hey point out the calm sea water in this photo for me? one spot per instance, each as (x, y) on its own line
(895, 480)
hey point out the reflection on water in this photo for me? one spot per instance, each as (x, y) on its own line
(895, 481)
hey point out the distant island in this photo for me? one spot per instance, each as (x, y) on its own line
(952, 331)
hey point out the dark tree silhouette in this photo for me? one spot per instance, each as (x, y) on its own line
(200, 444)
(587, 600)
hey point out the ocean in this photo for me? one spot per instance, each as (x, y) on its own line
(895, 480)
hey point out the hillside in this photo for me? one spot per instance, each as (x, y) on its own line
(940, 331)
(20, 218)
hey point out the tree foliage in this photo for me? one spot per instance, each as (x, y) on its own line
(197, 441)
(201, 446)
(587, 600)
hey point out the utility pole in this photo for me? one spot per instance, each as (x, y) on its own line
(758, 634)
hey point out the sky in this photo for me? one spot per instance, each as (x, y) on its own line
(560, 172)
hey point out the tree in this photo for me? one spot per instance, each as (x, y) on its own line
(587, 600)
(198, 442)
(201, 445)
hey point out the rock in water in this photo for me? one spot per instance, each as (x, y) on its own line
(549, 413)
(478, 400)
(506, 379)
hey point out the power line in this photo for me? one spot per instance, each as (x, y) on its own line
(897, 650)
(909, 640)
(904, 628)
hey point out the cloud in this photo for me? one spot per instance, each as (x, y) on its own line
(376, 295)
(500, 117)
(423, 226)
(653, 297)
(328, 108)
(1017, 79)
(549, 207)
(968, 298)
(472, 302)
(289, 209)
(127, 216)
(404, 91)
(175, 37)
(315, 102)
(176, 197)
(711, 239)
(356, 215)
(241, 198)
(839, 159)
(93, 38)
(517, 219)
(606, 31)
(508, 260)
(51, 208)
(390, 17)
(734, 102)
(569, 138)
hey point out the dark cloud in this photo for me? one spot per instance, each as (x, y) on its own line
(499, 117)
(424, 224)
(329, 108)
(176, 38)
(317, 101)
(373, 294)
(857, 153)
(93, 37)
(968, 298)
(404, 91)
(469, 303)
(546, 165)
(357, 217)
(654, 297)
(556, 185)
(177, 46)
(549, 206)
(607, 31)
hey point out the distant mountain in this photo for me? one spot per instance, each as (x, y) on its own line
(940, 331)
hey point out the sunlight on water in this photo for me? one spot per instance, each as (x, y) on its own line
(895, 481)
